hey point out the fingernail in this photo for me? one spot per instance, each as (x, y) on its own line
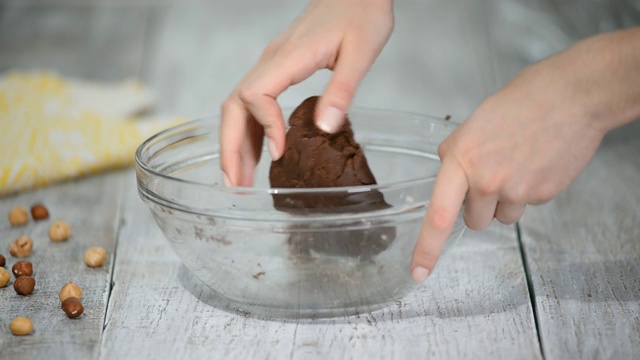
(330, 120)
(419, 274)
(273, 151)
(227, 181)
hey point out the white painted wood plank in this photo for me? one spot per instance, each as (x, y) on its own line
(158, 308)
(475, 306)
(583, 255)
(436, 61)
(523, 32)
(90, 42)
(90, 206)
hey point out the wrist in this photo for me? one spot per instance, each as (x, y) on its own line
(609, 78)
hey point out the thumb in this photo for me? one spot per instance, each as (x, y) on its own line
(348, 71)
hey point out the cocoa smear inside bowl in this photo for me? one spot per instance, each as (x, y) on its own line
(325, 262)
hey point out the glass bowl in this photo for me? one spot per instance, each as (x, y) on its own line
(279, 264)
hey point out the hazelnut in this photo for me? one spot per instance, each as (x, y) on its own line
(21, 247)
(59, 231)
(95, 256)
(4, 277)
(22, 268)
(24, 285)
(18, 216)
(72, 307)
(70, 289)
(21, 326)
(39, 212)
(3, 260)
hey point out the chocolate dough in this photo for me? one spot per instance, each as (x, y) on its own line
(314, 159)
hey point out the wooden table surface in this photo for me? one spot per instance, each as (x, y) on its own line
(564, 283)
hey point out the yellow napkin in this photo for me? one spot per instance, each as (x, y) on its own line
(53, 129)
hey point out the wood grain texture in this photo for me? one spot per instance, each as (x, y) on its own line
(200, 50)
(91, 207)
(583, 255)
(475, 305)
(91, 42)
(582, 250)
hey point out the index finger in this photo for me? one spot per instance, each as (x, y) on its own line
(446, 201)
(255, 100)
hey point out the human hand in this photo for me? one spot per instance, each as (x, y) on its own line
(529, 141)
(344, 36)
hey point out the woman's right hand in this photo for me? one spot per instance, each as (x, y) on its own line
(526, 143)
(344, 36)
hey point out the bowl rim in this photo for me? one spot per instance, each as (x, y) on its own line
(244, 190)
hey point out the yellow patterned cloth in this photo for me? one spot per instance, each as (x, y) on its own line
(53, 129)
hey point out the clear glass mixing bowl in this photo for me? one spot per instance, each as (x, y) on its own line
(279, 264)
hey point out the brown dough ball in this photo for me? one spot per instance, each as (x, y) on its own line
(315, 159)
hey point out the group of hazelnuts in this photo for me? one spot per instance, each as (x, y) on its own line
(24, 283)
